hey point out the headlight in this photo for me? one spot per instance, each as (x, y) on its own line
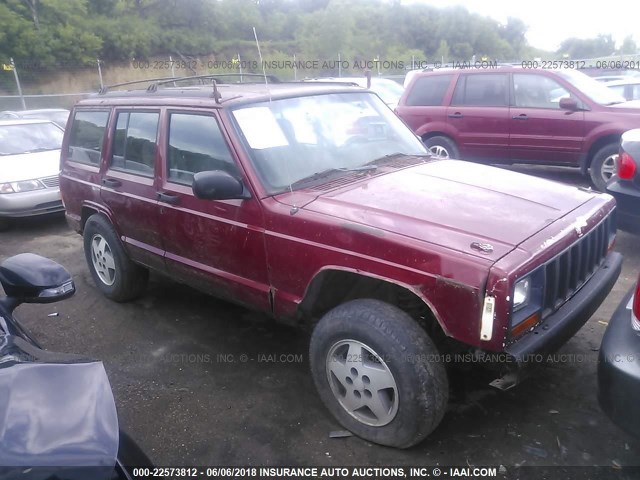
(521, 293)
(23, 186)
(526, 302)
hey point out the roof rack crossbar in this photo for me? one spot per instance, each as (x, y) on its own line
(106, 88)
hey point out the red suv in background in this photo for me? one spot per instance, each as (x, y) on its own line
(515, 115)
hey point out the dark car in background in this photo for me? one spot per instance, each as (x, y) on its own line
(625, 186)
(619, 364)
(515, 115)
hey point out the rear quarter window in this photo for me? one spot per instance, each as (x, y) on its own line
(86, 136)
(429, 90)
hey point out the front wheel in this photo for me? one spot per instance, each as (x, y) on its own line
(378, 373)
(442, 147)
(113, 272)
(603, 166)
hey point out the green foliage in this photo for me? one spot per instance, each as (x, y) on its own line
(63, 33)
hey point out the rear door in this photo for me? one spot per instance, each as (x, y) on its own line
(216, 246)
(479, 115)
(540, 130)
(81, 156)
(129, 184)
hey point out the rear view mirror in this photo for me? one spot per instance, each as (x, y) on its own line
(217, 185)
(30, 278)
(568, 103)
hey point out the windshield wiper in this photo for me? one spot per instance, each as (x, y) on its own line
(392, 156)
(331, 171)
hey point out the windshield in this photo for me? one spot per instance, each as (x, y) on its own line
(596, 91)
(29, 137)
(294, 139)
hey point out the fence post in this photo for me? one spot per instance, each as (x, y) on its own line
(15, 74)
(100, 74)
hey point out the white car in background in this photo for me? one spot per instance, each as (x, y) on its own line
(388, 90)
(629, 88)
(29, 167)
(59, 116)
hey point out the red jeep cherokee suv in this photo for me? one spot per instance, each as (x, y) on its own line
(315, 204)
(515, 115)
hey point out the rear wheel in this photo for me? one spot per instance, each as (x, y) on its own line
(442, 147)
(379, 373)
(113, 272)
(603, 165)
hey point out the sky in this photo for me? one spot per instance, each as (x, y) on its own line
(551, 21)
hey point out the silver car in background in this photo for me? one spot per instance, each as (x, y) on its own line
(59, 116)
(29, 167)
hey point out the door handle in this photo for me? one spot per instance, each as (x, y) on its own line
(455, 115)
(168, 198)
(112, 183)
(522, 116)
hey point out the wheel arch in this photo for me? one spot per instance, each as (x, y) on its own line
(334, 285)
(90, 208)
(597, 145)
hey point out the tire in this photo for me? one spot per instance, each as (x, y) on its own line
(5, 224)
(603, 166)
(115, 275)
(442, 147)
(366, 342)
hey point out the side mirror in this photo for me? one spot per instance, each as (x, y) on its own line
(217, 185)
(29, 278)
(568, 103)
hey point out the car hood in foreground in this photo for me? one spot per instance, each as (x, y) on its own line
(450, 203)
(28, 166)
(57, 412)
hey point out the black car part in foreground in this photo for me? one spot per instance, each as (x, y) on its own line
(58, 409)
(619, 365)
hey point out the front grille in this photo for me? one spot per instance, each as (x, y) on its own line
(566, 273)
(51, 182)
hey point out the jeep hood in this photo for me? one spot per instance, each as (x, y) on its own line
(449, 203)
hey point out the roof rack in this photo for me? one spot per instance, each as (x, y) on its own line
(155, 82)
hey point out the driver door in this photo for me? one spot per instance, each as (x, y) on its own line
(216, 246)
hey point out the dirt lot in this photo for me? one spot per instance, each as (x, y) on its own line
(202, 382)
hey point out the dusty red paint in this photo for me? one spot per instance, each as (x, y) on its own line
(412, 226)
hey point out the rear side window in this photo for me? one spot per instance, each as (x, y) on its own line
(134, 142)
(196, 144)
(87, 133)
(482, 90)
(429, 90)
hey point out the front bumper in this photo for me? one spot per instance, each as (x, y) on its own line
(27, 204)
(627, 197)
(560, 326)
(619, 370)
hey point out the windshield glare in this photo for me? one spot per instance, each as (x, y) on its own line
(294, 138)
(29, 137)
(596, 91)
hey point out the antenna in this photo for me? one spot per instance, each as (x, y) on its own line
(264, 72)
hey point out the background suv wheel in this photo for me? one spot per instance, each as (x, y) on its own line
(603, 166)
(442, 147)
